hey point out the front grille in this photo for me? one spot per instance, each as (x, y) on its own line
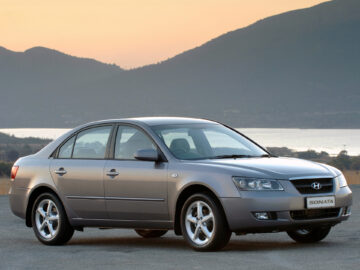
(304, 185)
(314, 213)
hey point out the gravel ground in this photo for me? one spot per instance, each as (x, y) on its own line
(123, 249)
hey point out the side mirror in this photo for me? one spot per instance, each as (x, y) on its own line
(147, 155)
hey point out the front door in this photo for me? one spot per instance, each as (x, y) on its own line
(78, 172)
(135, 190)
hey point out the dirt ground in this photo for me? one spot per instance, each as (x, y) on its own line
(352, 177)
(4, 185)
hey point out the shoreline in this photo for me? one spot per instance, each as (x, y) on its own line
(331, 141)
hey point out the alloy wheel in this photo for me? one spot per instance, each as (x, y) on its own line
(200, 223)
(47, 219)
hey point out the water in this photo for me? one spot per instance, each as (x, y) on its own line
(330, 140)
(44, 133)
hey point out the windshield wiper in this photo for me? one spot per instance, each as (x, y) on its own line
(232, 156)
(238, 156)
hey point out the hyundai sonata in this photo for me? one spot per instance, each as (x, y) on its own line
(200, 178)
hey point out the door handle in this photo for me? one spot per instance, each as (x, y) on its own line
(112, 172)
(60, 171)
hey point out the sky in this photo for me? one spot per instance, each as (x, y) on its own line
(129, 33)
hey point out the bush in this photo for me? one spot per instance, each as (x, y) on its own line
(281, 151)
(355, 163)
(5, 168)
(342, 161)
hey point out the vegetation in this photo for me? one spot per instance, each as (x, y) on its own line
(11, 148)
(342, 161)
(5, 168)
(7, 139)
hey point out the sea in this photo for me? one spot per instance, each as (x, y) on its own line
(329, 140)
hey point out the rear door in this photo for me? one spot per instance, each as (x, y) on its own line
(134, 189)
(78, 171)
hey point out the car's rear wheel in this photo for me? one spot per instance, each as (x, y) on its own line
(49, 220)
(309, 235)
(203, 223)
(151, 233)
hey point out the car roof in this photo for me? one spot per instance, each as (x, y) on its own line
(154, 121)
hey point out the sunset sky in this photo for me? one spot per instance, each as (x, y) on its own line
(130, 33)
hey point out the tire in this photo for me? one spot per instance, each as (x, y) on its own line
(210, 231)
(50, 225)
(151, 233)
(309, 235)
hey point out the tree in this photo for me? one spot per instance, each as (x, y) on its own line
(5, 168)
(26, 150)
(355, 163)
(12, 155)
(342, 161)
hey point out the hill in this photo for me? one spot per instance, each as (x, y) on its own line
(297, 69)
(11, 147)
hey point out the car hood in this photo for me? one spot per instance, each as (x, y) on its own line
(273, 167)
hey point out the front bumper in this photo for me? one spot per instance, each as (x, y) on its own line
(240, 211)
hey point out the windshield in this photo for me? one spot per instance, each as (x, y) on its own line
(206, 141)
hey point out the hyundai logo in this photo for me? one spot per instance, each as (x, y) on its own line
(316, 185)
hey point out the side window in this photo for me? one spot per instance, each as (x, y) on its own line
(66, 150)
(129, 140)
(91, 143)
(180, 143)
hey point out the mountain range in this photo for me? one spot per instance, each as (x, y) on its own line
(298, 69)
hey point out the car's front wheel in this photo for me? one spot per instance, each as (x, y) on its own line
(203, 223)
(150, 233)
(49, 220)
(309, 235)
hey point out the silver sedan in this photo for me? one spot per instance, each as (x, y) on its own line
(200, 178)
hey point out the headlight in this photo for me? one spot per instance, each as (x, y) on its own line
(341, 180)
(256, 184)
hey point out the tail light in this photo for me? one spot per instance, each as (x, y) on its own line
(14, 171)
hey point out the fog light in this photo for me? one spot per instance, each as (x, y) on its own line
(347, 211)
(262, 215)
